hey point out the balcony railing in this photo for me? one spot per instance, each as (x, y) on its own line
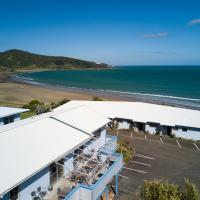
(94, 191)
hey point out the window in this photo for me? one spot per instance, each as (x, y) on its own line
(184, 129)
(97, 133)
(152, 124)
(8, 120)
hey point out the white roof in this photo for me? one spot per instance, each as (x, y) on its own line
(7, 111)
(141, 112)
(82, 118)
(29, 147)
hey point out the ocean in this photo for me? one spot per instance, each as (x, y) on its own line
(168, 84)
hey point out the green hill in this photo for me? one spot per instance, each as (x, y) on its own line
(16, 60)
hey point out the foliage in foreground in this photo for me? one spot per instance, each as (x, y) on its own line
(38, 107)
(162, 190)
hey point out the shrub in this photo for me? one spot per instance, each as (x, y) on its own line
(55, 105)
(157, 133)
(190, 191)
(97, 99)
(127, 152)
(172, 135)
(162, 190)
(37, 107)
(158, 190)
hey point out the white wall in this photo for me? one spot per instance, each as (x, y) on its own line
(16, 117)
(68, 164)
(193, 134)
(98, 143)
(150, 129)
(123, 125)
(103, 135)
(41, 179)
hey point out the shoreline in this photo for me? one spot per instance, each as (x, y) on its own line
(106, 95)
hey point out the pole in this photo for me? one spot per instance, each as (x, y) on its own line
(116, 184)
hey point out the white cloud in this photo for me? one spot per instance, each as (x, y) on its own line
(194, 22)
(156, 35)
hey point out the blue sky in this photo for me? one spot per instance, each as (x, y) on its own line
(118, 32)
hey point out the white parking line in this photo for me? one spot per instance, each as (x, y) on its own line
(196, 147)
(140, 163)
(145, 137)
(123, 176)
(178, 144)
(135, 170)
(143, 156)
(131, 135)
(161, 140)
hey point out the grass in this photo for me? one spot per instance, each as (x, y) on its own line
(27, 114)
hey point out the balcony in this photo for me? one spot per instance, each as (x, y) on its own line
(89, 171)
(94, 191)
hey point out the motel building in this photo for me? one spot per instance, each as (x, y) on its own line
(146, 117)
(9, 115)
(65, 154)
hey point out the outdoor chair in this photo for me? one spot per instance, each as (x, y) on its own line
(33, 194)
(41, 193)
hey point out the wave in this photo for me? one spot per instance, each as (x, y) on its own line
(154, 95)
(23, 78)
(174, 100)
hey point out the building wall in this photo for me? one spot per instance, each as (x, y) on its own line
(1, 122)
(150, 129)
(41, 179)
(123, 124)
(5, 197)
(103, 135)
(68, 164)
(17, 117)
(98, 143)
(191, 133)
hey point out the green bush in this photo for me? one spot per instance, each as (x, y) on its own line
(38, 107)
(157, 133)
(127, 152)
(55, 105)
(162, 190)
(97, 99)
(190, 191)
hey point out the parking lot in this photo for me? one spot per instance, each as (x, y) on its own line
(168, 158)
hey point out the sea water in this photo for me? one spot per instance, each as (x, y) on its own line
(164, 83)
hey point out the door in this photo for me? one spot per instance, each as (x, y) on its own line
(14, 194)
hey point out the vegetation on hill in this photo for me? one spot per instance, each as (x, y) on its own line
(16, 60)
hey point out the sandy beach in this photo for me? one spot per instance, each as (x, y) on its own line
(17, 92)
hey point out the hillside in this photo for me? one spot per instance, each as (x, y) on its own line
(16, 60)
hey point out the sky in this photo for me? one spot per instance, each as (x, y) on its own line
(117, 32)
